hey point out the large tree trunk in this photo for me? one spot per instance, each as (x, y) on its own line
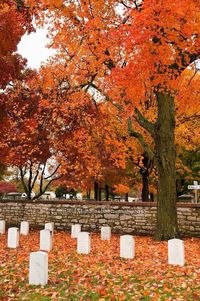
(96, 191)
(99, 194)
(145, 186)
(88, 194)
(107, 192)
(165, 160)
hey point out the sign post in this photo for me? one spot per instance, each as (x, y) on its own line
(195, 187)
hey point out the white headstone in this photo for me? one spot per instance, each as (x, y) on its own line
(176, 252)
(38, 268)
(50, 227)
(13, 237)
(2, 227)
(127, 246)
(105, 233)
(45, 240)
(24, 228)
(83, 243)
(75, 230)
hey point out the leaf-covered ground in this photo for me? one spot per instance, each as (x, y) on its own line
(102, 275)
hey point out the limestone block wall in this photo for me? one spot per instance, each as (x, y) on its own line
(131, 218)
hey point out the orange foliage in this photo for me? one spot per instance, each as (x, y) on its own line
(14, 20)
(121, 189)
(101, 275)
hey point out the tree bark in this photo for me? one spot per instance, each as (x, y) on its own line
(107, 192)
(165, 160)
(145, 186)
(88, 194)
(145, 172)
(151, 197)
(96, 191)
(126, 197)
(99, 194)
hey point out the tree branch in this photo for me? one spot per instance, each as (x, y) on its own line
(30, 178)
(141, 139)
(42, 177)
(107, 98)
(146, 124)
(45, 188)
(35, 178)
(46, 178)
(22, 174)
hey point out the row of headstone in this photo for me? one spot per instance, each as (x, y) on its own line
(24, 227)
(105, 232)
(14, 232)
(127, 244)
(13, 235)
(38, 264)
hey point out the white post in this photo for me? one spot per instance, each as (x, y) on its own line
(2, 227)
(24, 228)
(127, 246)
(83, 243)
(75, 230)
(45, 240)
(13, 237)
(50, 227)
(105, 233)
(195, 187)
(176, 252)
(38, 268)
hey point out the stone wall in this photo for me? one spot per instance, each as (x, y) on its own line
(133, 218)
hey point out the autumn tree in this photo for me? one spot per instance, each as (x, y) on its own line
(133, 53)
(27, 139)
(15, 19)
(90, 145)
(187, 132)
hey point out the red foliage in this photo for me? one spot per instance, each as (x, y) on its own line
(6, 187)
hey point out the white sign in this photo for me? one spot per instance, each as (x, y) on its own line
(193, 187)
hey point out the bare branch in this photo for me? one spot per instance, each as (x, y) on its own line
(46, 178)
(35, 178)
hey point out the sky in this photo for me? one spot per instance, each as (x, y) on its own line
(33, 48)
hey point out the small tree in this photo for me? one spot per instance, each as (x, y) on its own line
(60, 191)
(42, 174)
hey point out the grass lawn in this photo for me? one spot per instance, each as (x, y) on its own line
(102, 275)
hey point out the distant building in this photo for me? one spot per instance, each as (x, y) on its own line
(49, 195)
(13, 195)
